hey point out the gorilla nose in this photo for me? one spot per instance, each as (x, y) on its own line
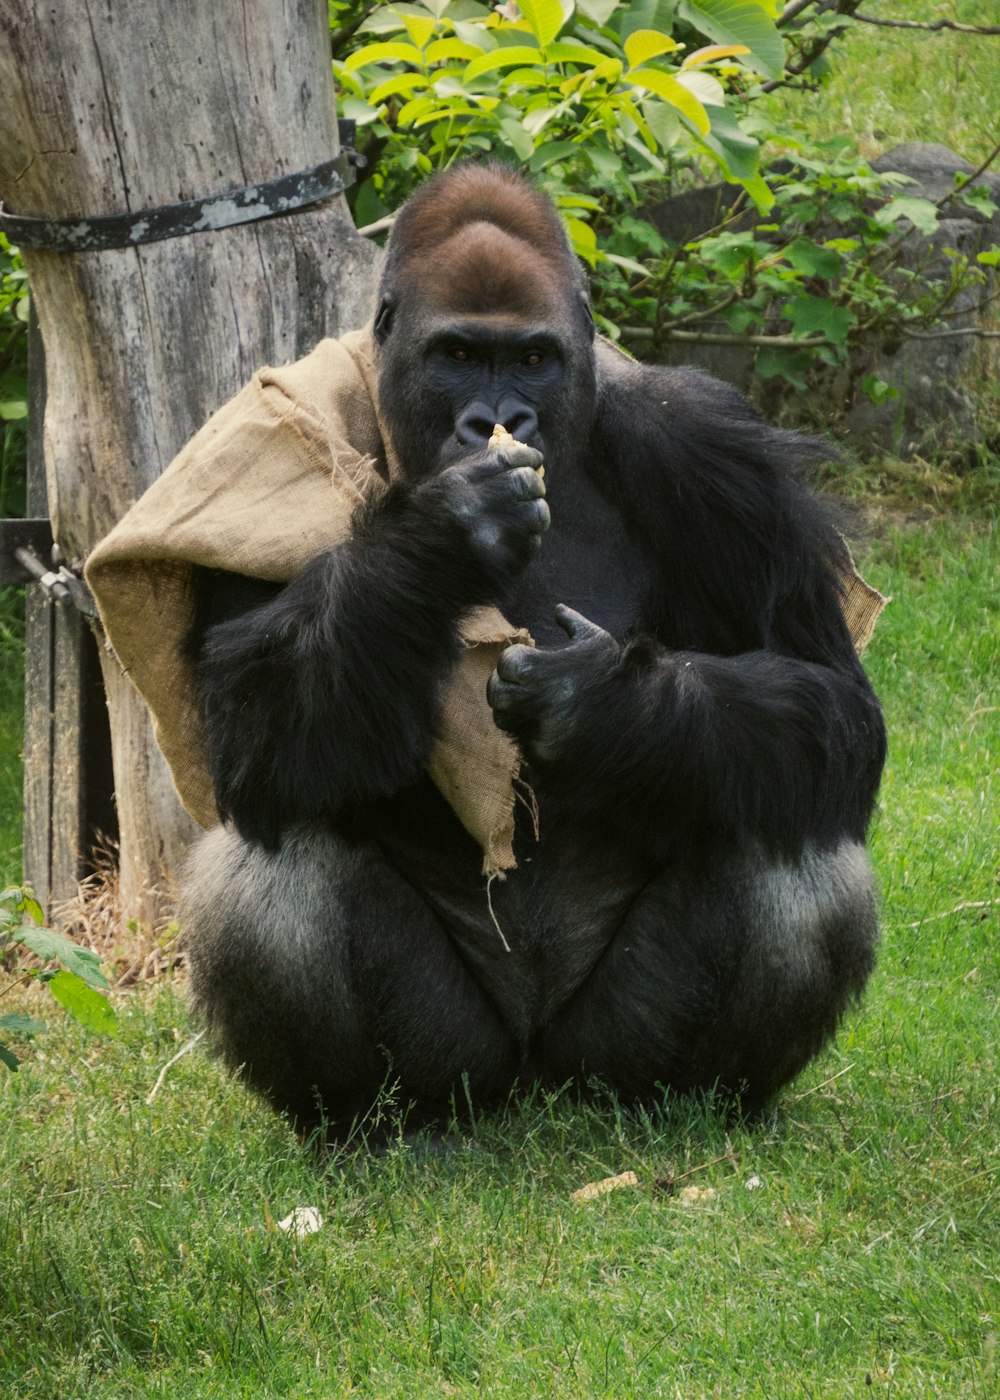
(476, 422)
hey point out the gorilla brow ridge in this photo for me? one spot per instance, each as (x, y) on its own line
(472, 193)
(484, 269)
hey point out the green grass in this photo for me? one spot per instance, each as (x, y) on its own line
(889, 85)
(138, 1256)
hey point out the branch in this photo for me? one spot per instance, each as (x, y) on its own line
(814, 50)
(968, 179)
(792, 11)
(780, 342)
(977, 331)
(936, 24)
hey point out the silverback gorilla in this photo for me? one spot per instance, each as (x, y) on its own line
(694, 907)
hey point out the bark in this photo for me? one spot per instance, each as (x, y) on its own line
(115, 106)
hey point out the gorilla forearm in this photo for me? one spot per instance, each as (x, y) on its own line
(760, 748)
(326, 696)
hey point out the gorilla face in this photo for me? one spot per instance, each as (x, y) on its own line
(476, 328)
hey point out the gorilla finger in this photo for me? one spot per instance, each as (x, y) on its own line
(518, 455)
(542, 517)
(515, 664)
(577, 627)
(524, 484)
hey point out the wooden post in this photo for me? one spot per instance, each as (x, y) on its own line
(121, 107)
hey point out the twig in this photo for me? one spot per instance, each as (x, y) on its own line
(929, 25)
(957, 330)
(958, 909)
(379, 226)
(780, 342)
(792, 11)
(807, 56)
(968, 179)
(816, 1088)
(163, 1072)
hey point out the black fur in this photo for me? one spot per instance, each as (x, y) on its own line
(702, 742)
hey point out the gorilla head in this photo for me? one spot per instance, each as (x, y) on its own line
(483, 318)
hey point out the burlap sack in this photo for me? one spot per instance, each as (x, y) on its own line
(270, 482)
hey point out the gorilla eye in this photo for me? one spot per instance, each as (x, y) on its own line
(533, 358)
(459, 354)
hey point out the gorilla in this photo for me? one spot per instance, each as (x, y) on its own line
(692, 906)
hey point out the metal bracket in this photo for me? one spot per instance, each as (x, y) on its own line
(266, 200)
(21, 562)
(58, 582)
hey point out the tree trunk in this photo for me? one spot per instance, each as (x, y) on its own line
(116, 106)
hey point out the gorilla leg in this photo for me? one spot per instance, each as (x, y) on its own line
(324, 976)
(733, 979)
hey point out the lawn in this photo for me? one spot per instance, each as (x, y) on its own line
(845, 1247)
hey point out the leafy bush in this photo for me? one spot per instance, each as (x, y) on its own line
(614, 106)
(598, 99)
(77, 984)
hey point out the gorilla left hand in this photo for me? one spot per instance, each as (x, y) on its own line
(537, 695)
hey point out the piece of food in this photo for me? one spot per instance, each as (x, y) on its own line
(501, 438)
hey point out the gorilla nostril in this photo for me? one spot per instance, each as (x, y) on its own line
(522, 424)
(518, 418)
(475, 425)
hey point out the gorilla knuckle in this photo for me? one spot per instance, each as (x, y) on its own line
(519, 456)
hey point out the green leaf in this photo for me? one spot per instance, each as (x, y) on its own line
(785, 364)
(8, 1058)
(814, 315)
(878, 390)
(443, 49)
(503, 58)
(46, 944)
(730, 144)
(759, 191)
(93, 1011)
(400, 82)
(544, 18)
(812, 260)
(645, 14)
(420, 28)
(645, 44)
(978, 197)
(391, 52)
(746, 22)
(922, 213)
(552, 151)
(600, 11)
(628, 264)
(583, 239)
(672, 92)
(991, 258)
(707, 88)
(19, 1024)
(519, 140)
(569, 51)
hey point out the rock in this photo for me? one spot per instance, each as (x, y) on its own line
(938, 408)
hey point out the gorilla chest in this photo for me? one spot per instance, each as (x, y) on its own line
(586, 561)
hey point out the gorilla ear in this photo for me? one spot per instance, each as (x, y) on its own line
(383, 319)
(588, 315)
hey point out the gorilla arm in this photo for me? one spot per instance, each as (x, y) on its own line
(677, 747)
(325, 697)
